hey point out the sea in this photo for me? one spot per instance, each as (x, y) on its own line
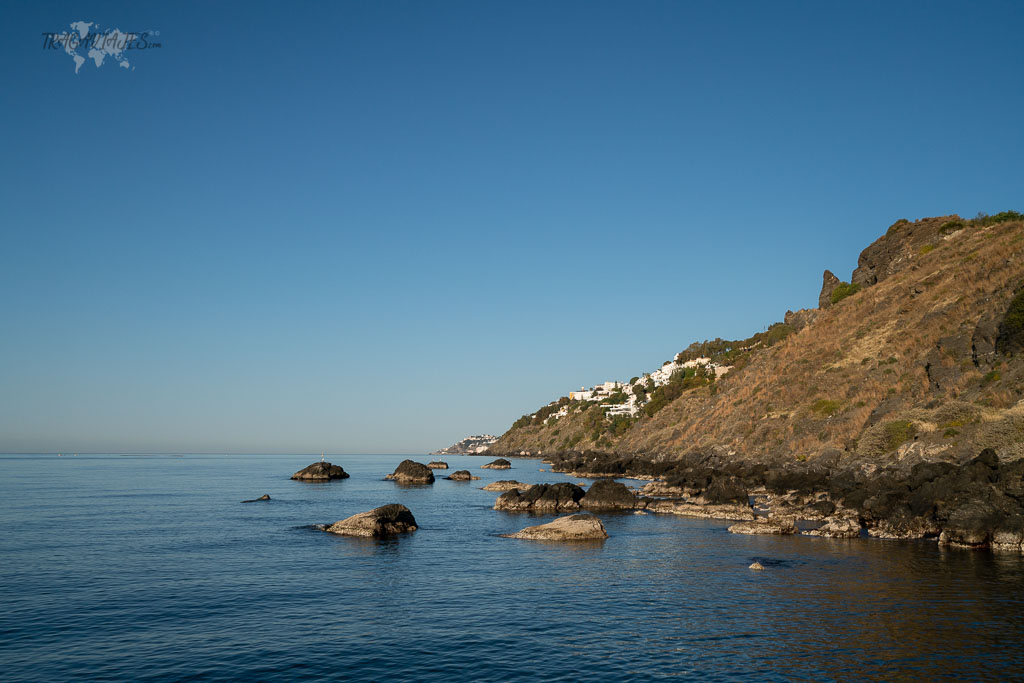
(150, 568)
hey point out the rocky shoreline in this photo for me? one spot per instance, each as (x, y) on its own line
(976, 503)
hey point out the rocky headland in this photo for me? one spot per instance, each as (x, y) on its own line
(894, 409)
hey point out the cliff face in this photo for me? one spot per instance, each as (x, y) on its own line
(924, 358)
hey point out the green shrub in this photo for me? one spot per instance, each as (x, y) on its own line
(925, 249)
(897, 225)
(898, 432)
(843, 290)
(990, 377)
(950, 227)
(825, 407)
(950, 433)
(1001, 217)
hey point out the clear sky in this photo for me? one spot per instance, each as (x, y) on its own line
(382, 226)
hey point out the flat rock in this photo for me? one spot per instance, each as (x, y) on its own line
(257, 500)
(572, 528)
(506, 485)
(437, 465)
(320, 471)
(688, 509)
(499, 464)
(412, 472)
(837, 527)
(764, 525)
(461, 475)
(387, 520)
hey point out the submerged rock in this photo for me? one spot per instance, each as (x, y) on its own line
(437, 465)
(757, 566)
(506, 485)
(608, 494)
(256, 500)
(765, 525)
(412, 472)
(387, 520)
(572, 528)
(320, 471)
(499, 464)
(461, 475)
(541, 498)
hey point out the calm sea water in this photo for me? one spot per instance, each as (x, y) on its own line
(149, 568)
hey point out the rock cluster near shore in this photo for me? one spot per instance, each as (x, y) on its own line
(320, 471)
(564, 497)
(412, 472)
(581, 527)
(387, 520)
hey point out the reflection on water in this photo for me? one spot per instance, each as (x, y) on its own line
(139, 567)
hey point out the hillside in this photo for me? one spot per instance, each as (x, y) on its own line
(919, 353)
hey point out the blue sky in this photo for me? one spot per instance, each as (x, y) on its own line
(379, 227)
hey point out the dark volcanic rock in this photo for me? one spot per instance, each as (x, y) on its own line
(828, 284)
(412, 472)
(256, 500)
(320, 471)
(386, 520)
(461, 475)
(608, 494)
(499, 464)
(542, 497)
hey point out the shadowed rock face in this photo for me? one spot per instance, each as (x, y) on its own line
(608, 494)
(542, 497)
(412, 472)
(572, 528)
(499, 464)
(437, 465)
(387, 520)
(320, 471)
(461, 475)
(829, 282)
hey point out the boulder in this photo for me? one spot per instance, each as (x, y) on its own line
(542, 498)
(499, 464)
(387, 520)
(766, 525)
(837, 527)
(256, 500)
(437, 465)
(757, 566)
(506, 485)
(572, 528)
(412, 472)
(320, 471)
(608, 494)
(461, 475)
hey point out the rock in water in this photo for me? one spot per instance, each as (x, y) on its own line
(461, 475)
(562, 497)
(506, 485)
(608, 494)
(387, 520)
(412, 472)
(757, 566)
(321, 471)
(572, 528)
(437, 465)
(764, 525)
(499, 464)
(256, 500)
